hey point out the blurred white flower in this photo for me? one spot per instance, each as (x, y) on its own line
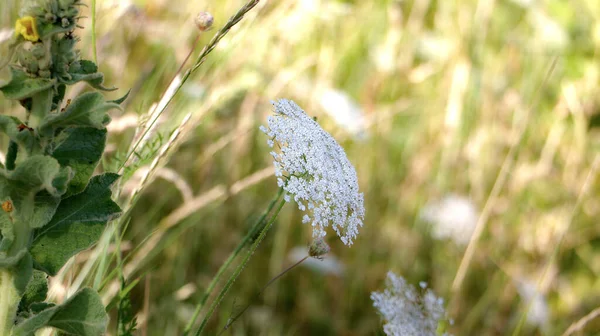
(344, 111)
(538, 313)
(453, 217)
(312, 166)
(328, 264)
(435, 47)
(407, 311)
(549, 33)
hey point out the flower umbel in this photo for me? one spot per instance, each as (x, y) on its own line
(406, 311)
(312, 166)
(26, 27)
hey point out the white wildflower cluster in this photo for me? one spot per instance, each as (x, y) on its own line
(454, 217)
(312, 166)
(407, 311)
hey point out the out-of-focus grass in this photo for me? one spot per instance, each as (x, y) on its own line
(458, 97)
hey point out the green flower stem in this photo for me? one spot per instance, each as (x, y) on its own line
(241, 266)
(252, 233)
(9, 301)
(237, 316)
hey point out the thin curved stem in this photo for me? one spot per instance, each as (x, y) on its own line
(240, 267)
(251, 233)
(237, 316)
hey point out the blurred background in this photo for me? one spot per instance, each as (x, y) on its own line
(473, 127)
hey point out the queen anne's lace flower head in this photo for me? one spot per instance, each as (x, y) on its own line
(312, 166)
(406, 311)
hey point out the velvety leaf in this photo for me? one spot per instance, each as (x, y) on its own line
(76, 225)
(122, 99)
(35, 174)
(87, 110)
(82, 314)
(6, 229)
(23, 271)
(22, 86)
(45, 206)
(22, 136)
(87, 71)
(80, 149)
(36, 290)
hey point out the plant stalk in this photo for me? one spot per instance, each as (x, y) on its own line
(240, 267)
(40, 107)
(237, 316)
(251, 233)
(9, 301)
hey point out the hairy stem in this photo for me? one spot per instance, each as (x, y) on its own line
(251, 233)
(41, 104)
(240, 267)
(9, 301)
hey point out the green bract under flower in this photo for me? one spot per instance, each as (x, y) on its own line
(312, 166)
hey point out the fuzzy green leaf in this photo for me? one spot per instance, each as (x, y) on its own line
(80, 149)
(22, 86)
(87, 71)
(22, 136)
(77, 225)
(83, 314)
(7, 231)
(87, 110)
(21, 186)
(36, 290)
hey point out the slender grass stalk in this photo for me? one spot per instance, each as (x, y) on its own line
(235, 19)
(229, 260)
(581, 323)
(501, 179)
(583, 191)
(94, 51)
(237, 316)
(240, 267)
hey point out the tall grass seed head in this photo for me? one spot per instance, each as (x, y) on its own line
(313, 168)
(407, 311)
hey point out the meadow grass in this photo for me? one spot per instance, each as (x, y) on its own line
(493, 100)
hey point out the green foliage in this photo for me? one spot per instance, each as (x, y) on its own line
(82, 314)
(81, 149)
(127, 321)
(22, 86)
(36, 290)
(86, 71)
(77, 224)
(36, 174)
(22, 137)
(87, 110)
(52, 207)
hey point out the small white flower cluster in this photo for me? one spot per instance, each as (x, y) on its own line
(312, 166)
(406, 311)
